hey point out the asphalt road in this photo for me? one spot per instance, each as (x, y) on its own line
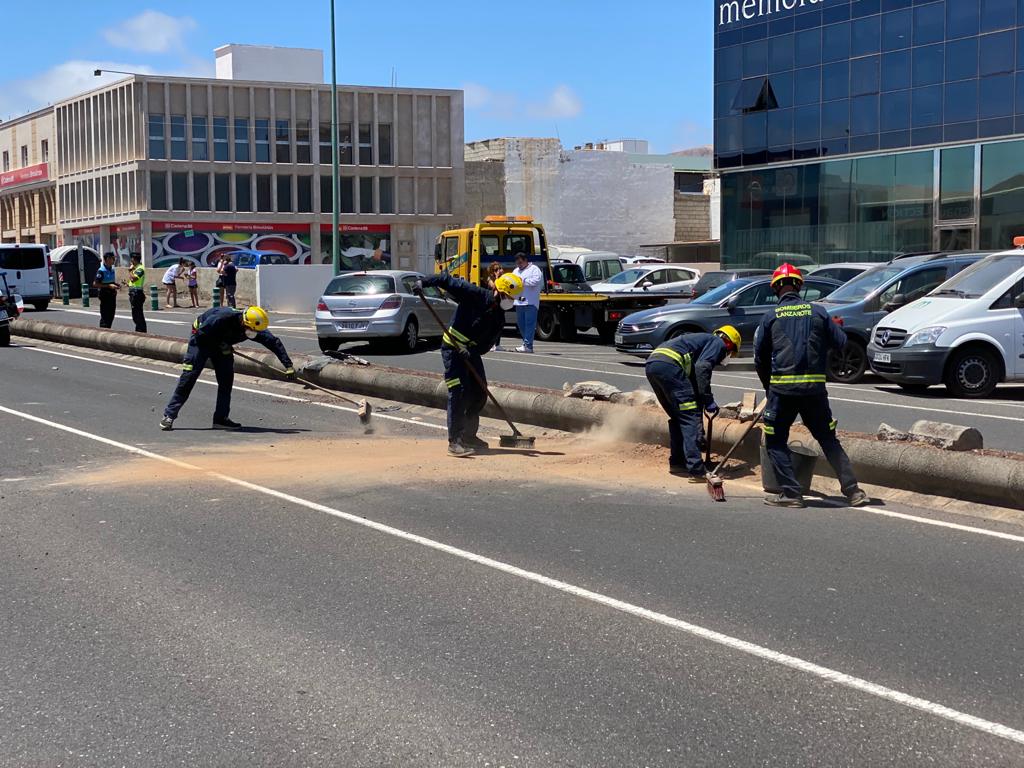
(302, 594)
(859, 408)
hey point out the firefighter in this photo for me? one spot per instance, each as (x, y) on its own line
(680, 375)
(475, 329)
(213, 335)
(791, 347)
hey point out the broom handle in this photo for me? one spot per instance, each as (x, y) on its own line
(753, 422)
(297, 378)
(479, 379)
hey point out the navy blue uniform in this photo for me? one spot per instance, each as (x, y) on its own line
(791, 348)
(214, 333)
(680, 375)
(475, 328)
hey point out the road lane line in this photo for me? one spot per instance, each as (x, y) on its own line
(727, 641)
(149, 319)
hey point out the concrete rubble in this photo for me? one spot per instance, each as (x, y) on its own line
(948, 437)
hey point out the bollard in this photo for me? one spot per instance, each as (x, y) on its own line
(65, 294)
(85, 294)
(154, 298)
(216, 296)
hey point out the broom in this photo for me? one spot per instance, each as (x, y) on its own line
(716, 486)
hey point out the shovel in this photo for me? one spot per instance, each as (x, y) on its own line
(517, 439)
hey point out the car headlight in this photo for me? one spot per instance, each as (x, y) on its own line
(639, 327)
(925, 336)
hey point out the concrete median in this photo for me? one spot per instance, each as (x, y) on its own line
(978, 478)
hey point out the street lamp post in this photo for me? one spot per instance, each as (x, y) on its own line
(335, 252)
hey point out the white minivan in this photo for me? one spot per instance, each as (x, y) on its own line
(28, 272)
(968, 333)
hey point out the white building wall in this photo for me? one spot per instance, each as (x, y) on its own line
(286, 288)
(713, 188)
(269, 63)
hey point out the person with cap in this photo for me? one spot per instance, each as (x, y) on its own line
(791, 348)
(137, 292)
(679, 372)
(107, 285)
(214, 334)
(475, 328)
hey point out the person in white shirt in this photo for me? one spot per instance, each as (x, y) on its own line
(528, 302)
(173, 273)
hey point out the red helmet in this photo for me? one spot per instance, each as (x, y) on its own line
(787, 272)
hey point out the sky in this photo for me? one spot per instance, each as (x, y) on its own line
(579, 71)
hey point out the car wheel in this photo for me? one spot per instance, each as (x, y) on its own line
(329, 345)
(40, 306)
(547, 324)
(847, 366)
(5, 336)
(410, 338)
(972, 373)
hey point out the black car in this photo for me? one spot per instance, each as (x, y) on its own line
(710, 280)
(740, 303)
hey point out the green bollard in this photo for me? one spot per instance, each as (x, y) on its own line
(65, 294)
(85, 294)
(216, 296)
(154, 298)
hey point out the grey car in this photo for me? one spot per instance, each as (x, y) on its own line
(378, 306)
(740, 303)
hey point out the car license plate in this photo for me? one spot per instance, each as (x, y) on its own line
(618, 338)
(350, 325)
(883, 357)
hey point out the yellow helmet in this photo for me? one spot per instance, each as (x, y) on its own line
(509, 284)
(729, 334)
(256, 319)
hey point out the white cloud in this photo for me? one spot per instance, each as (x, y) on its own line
(562, 104)
(150, 32)
(477, 96)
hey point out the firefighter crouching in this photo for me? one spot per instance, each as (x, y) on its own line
(680, 375)
(791, 348)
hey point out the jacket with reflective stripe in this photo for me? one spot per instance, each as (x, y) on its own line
(697, 354)
(221, 328)
(478, 319)
(791, 346)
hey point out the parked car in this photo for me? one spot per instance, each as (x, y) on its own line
(247, 259)
(864, 301)
(11, 306)
(967, 334)
(378, 306)
(28, 272)
(597, 266)
(652, 278)
(711, 280)
(772, 260)
(844, 272)
(632, 261)
(741, 303)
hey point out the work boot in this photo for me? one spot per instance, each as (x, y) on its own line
(858, 499)
(782, 500)
(226, 424)
(697, 479)
(677, 470)
(458, 450)
(475, 443)
(166, 423)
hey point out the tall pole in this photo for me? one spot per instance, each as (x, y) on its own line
(335, 253)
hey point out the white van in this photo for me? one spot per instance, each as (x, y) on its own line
(28, 272)
(597, 266)
(967, 334)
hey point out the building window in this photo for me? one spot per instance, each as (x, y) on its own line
(241, 140)
(325, 144)
(179, 192)
(305, 191)
(326, 195)
(284, 194)
(44, 150)
(220, 139)
(347, 202)
(178, 148)
(243, 193)
(345, 143)
(365, 144)
(157, 150)
(200, 191)
(282, 142)
(366, 194)
(262, 141)
(263, 194)
(384, 154)
(387, 195)
(157, 191)
(200, 147)
(7, 161)
(222, 191)
(302, 150)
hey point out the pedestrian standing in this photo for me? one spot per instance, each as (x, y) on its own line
(229, 277)
(170, 276)
(193, 283)
(791, 348)
(527, 303)
(106, 283)
(137, 292)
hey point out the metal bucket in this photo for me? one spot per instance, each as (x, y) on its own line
(804, 461)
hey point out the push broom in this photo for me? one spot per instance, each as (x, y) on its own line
(716, 485)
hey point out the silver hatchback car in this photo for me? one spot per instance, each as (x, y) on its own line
(378, 306)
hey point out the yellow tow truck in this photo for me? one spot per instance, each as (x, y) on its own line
(567, 304)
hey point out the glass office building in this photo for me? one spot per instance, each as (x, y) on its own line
(850, 130)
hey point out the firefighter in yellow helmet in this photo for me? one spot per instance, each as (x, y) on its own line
(214, 334)
(679, 372)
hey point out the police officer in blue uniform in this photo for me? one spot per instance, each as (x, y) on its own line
(791, 348)
(679, 372)
(106, 283)
(214, 333)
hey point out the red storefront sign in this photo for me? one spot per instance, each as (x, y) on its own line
(377, 228)
(226, 226)
(29, 175)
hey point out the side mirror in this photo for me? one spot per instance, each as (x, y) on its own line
(646, 284)
(732, 303)
(899, 300)
(437, 252)
(1019, 301)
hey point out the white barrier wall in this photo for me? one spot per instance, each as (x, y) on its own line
(291, 287)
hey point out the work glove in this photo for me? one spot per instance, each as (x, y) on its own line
(289, 373)
(464, 352)
(417, 289)
(711, 409)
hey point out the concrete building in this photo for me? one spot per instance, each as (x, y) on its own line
(28, 206)
(192, 167)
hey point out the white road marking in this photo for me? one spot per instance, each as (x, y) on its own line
(149, 318)
(939, 523)
(733, 643)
